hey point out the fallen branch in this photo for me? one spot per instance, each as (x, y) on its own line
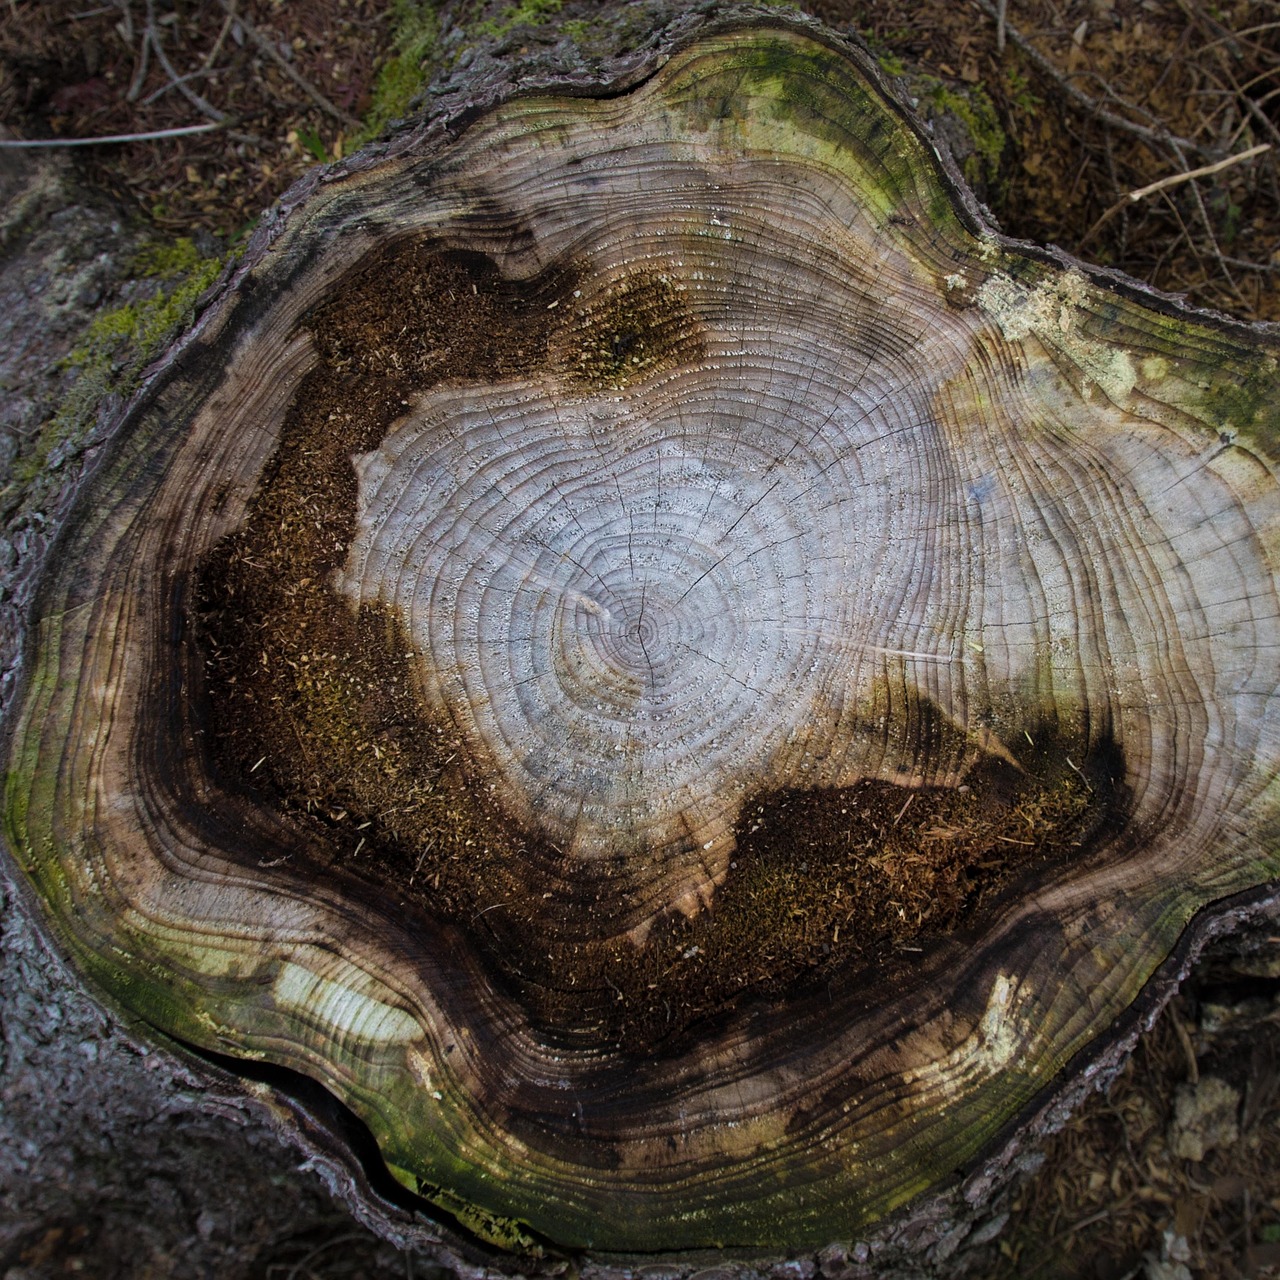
(176, 84)
(147, 136)
(143, 61)
(1207, 223)
(179, 82)
(279, 59)
(1159, 137)
(1173, 180)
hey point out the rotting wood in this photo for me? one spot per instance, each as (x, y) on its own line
(673, 671)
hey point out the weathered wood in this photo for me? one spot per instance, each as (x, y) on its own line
(669, 667)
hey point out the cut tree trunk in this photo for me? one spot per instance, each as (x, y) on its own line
(677, 674)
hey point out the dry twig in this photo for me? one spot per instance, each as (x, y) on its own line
(203, 105)
(1173, 180)
(148, 136)
(267, 47)
(1157, 137)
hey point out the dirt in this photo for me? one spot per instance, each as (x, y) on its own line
(71, 70)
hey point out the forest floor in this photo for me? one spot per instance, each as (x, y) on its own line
(1139, 134)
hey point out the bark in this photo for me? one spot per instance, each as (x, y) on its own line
(117, 1157)
(1065, 676)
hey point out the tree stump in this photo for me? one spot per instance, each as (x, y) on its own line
(677, 674)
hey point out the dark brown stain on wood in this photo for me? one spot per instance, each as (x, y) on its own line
(313, 708)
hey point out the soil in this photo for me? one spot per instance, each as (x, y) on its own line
(1086, 123)
(89, 69)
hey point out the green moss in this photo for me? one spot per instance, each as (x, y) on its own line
(1240, 399)
(526, 13)
(119, 344)
(169, 261)
(799, 101)
(401, 78)
(147, 325)
(978, 114)
(608, 35)
(1018, 91)
(891, 64)
(973, 107)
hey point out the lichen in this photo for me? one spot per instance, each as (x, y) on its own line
(989, 1048)
(1052, 311)
(120, 343)
(506, 1233)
